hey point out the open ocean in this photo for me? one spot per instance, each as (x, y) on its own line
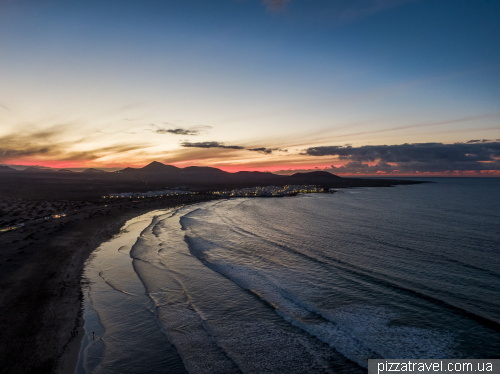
(315, 283)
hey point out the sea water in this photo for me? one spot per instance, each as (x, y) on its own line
(315, 283)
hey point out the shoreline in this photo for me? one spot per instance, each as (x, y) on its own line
(69, 358)
(70, 355)
(43, 299)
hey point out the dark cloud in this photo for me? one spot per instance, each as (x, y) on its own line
(266, 151)
(177, 131)
(210, 145)
(480, 141)
(475, 155)
(405, 168)
(9, 153)
(416, 152)
(263, 150)
(195, 130)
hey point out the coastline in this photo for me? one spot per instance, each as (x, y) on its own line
(42, 303)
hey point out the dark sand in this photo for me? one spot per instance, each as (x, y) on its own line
(40, 274)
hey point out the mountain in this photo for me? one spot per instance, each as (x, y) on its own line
(154, 167)
(313, 177)
(92, 170)
(127, 171)
(34, 169)
(316, 175)
(158, 167)
(202, 169)
(6, 169)
(92, 183)
(159, 172)
(65, 171)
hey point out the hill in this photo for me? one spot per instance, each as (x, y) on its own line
(92, 170)
(34, 169)
(6, 169)
(154, 167)
(158, 167)
(313, 177)
(203, 169)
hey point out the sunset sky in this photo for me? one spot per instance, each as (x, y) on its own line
(353, 86)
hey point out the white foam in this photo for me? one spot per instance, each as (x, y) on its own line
(359, 332)
(373, 325)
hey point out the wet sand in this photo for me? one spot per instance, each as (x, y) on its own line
(68, 360)
(40, 275)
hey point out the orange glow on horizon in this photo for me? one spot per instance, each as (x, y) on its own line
(282, 169)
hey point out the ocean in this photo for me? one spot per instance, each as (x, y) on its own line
(317, 283)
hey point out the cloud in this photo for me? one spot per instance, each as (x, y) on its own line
(416, 152)
(263, 150)
(54, 143)
(475, 155)
(210, 145)
(275, 5)
(481, 141)
(194, 130)
(356, 167)
(178, 131)
(267, 151)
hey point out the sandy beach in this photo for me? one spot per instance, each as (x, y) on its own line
(40, 275)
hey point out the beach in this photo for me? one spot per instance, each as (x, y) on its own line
(308, 284)
(312, 279)
(40, 278)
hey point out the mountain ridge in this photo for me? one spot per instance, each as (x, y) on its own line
(6, 169)
(158, 167)
(93, 170)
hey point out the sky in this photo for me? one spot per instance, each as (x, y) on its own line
(354, 87)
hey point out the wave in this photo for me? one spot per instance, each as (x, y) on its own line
(214, 324)
(110, 283)
(185, 328)
(358, 332)
(201, 247)
(253, 286)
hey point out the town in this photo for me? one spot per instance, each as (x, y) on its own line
(267, 191)
(162, 193)
(271, 191)
(19, 221)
